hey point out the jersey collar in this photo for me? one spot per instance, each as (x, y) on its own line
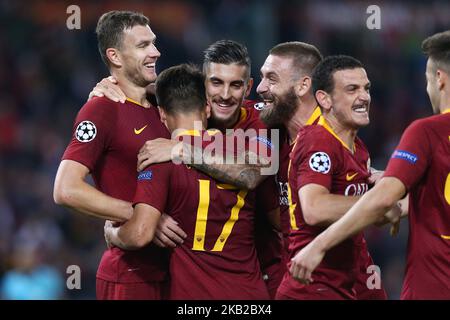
(323, 122)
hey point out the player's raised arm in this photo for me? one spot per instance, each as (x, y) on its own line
(245, 176)
(108, 87)
(71, 190)
(136, 232)
(365, 212)
(322, 208)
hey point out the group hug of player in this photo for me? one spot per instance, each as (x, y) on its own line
(182, 225)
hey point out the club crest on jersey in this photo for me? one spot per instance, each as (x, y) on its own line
(86, 131)
(320, 162)
(259, 106)
(145, 175)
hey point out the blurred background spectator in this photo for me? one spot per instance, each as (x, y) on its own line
(47, 71)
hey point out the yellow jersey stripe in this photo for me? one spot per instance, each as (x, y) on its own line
(135, 102)
(323, 122)
(316, 114)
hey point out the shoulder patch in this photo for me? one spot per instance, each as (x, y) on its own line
(320, 162)
(265, 141)
(405, 155)
(145, 175)
(86, 131)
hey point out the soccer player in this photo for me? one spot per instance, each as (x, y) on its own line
(218, 258)
(329, 170)
(107, 137)
(289, 104)
(419, 165)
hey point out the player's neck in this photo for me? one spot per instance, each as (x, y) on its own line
(445, 102)
(300, 118)
(132, 91)
(227, 124)
(190, 122)
(347, 135)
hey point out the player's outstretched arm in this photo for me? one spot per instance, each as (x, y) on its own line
(245, 176)
(369, 209)
(137, 232)
(71, 190)
(108, 88)
(322, 208)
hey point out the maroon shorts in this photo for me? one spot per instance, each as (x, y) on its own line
(361, 289)
(107, 290)
(273, 275)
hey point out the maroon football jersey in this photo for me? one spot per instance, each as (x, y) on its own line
(218, 259)
(422, 162)
(282, 177)
(269, 241)
(107, 137)
(321, 157)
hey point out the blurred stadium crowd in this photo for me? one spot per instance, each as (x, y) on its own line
(47, 71)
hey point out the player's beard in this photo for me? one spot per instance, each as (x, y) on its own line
(283, 109)
(137, 77)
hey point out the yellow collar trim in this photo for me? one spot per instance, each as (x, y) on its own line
(446, 111)
(135, 102)
(197, 133)
(323, 122)
(316, 114)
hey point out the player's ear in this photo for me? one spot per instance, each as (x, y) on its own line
(249, 87)
(303, 86)
(208, 110)
(324, 99)
(162, 115)
(114, 57)
(441, 78)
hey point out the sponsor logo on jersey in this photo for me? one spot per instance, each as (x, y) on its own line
(356, 189)
(405, 155)
(138, 131)
(145, 175)
(320, 162)
(350, 177)
(86, 131)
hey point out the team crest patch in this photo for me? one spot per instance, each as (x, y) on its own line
(259, 106)
(320, 162)
(145, 175)
(86, 131)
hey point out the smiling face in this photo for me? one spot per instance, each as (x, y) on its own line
(139, 54)
(277, 90)
(350, 98)
(226, 87)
